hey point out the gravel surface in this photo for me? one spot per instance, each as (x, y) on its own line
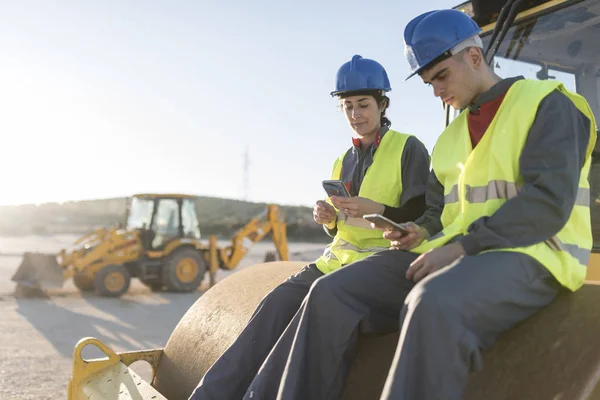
(38, 335)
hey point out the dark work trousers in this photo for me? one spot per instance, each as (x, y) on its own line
(445, 320)
(230, 375)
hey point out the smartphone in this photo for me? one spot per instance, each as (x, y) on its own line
(335, 188)
(383, 222)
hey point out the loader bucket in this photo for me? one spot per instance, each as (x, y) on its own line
(39, 271)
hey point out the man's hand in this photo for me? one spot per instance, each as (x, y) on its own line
(400, 241)
(434, 260)
(324, 213)
(357, 206)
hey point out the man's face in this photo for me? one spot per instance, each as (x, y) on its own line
(454, 80)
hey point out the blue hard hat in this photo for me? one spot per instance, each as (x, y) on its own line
(433, 34)
(361, 74)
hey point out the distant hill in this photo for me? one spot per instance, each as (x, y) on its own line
(217, 216)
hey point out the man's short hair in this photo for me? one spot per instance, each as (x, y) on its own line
(473, 41)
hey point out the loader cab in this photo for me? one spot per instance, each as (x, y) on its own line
(161, 219)
(549, 40)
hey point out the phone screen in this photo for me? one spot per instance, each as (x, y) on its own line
(335, 188)
(382, 222)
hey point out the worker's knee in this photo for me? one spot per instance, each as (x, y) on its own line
(283, 298)
(431, 298)
(275, 296)
(323, 289)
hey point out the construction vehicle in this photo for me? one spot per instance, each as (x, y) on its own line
(552, 355)
(160, 245)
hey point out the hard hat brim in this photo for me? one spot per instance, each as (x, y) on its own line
(442, 57)
(413, 74)
(357, 91)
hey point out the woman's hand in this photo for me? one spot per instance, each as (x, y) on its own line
(357, 206)
(324, 213)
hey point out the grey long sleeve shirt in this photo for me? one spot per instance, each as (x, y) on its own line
(550, 165)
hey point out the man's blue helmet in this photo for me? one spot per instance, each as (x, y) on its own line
(361, 74)
(432, 35)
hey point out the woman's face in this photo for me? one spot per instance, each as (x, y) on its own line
(363, 114)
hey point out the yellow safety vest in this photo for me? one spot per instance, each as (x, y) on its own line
(355, 239)
(478, 181)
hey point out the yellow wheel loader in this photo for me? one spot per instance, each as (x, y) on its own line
(553, 355)
(160, 245)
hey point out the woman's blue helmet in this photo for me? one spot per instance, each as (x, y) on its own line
(361, 74)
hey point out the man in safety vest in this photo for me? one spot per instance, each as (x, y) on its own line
(506, 228)
(385, 171)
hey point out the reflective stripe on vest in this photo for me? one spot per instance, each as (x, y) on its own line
(355, 238)
(477, 183)
(503, 190)
(345, 246)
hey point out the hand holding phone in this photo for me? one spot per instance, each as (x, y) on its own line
(406, 241)
(385, 223)
(335, 188)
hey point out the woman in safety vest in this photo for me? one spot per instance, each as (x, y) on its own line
(507, 226)
(384, 171)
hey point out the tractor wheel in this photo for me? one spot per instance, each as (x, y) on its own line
(184, 270)
(112, 281)
(83, 282)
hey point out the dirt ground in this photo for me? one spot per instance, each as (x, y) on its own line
(37, 336)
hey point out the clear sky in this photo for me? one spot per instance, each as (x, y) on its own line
(107, 98)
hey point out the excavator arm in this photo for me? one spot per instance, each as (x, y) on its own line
(269, 221)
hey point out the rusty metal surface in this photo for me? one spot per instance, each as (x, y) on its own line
(110, 378)
(152, 357)
(116, 383)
